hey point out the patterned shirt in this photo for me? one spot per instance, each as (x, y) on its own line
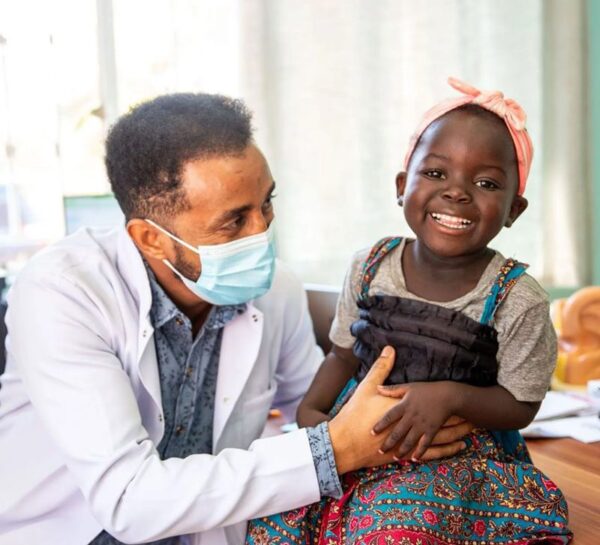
(188, 369)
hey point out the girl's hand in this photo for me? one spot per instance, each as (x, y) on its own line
(424, 409)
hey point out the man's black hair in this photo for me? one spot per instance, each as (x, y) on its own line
(147, 148)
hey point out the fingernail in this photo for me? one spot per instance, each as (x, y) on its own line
(387, 351)
(413, 459)
(373, 432)
(381, 451)
(397, 459)
(463, 445)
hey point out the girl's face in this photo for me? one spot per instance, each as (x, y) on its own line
(461, 184)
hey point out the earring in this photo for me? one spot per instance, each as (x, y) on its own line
(400, 200)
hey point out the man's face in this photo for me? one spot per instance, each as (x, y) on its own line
(229, 198)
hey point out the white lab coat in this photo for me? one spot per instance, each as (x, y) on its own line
(81, 413)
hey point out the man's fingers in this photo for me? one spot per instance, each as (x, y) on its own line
(442, 451)
(397, 390)
(453, 421)
(452, 433)
(381, 368)
(422, 446)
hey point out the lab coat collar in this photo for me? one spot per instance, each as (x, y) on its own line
(235, 363)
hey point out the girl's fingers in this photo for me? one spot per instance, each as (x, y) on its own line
(422, 446)
(396, 436)
(393, 415)
(409, 443)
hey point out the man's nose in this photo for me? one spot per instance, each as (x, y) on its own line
(258, 224)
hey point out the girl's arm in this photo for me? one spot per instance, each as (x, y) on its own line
(335, 371)
(425, 406)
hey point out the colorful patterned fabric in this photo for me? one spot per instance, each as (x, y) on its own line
(489, 493)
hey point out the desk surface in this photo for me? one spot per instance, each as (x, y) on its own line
(575, 468)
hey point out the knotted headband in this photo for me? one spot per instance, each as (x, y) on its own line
(506, 108)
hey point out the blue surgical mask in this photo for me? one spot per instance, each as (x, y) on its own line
(231, 273)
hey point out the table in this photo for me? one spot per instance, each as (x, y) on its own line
(575, 468)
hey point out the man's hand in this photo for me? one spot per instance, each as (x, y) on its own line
(351, 430)
(448, 440)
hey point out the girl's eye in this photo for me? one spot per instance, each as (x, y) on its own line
(435, 173)
(487, 184)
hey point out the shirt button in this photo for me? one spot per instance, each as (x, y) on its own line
(178, 321)
(188, 371)
(160, 417)
(179, 430)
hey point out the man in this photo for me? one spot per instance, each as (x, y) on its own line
(142, 362)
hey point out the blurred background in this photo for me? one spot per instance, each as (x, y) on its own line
(336, 86)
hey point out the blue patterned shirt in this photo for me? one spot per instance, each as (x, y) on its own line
(188, 369)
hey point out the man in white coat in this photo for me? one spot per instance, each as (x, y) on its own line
(142, 362)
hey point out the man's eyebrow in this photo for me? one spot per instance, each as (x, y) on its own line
(229, 215)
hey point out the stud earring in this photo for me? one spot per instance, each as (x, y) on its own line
(400, 200)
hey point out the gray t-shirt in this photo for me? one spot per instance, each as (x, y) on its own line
(526, 338)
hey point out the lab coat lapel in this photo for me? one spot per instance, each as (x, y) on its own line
(131, 267)
(239, 349)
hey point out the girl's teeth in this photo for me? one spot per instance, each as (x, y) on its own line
(451, 221)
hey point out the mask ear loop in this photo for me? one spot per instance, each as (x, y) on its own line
(183, 243)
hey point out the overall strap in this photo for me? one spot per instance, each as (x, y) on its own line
(374, 259)
(509, 274)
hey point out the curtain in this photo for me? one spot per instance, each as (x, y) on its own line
(337, 87)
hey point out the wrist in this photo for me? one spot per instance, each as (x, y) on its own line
(342, 449)
(453, 396)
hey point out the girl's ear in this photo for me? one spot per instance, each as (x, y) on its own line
(400, 186)
(517, 207)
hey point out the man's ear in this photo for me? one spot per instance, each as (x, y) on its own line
(147, 238)
(400, 186)
(518, 206)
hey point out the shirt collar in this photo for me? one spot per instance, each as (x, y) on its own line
(163, 309)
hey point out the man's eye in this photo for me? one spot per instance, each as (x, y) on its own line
(434, 173)
(487, 184)
(269, 201)
(236, 224)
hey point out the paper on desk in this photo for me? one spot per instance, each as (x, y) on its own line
(557, 404)
(583, 428)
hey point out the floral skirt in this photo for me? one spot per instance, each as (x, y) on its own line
(489, 493)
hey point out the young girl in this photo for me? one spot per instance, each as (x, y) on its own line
(473, 339)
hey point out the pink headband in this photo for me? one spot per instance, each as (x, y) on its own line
(507, 109)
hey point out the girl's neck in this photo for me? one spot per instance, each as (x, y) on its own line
(442, 279)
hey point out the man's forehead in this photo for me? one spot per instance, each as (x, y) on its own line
(217, 185)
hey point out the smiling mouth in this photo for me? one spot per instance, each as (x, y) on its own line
(452, 222)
